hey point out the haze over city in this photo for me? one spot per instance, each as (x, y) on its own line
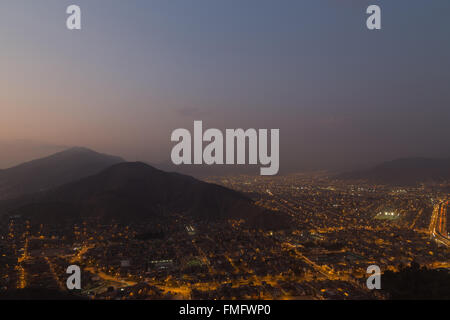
(341, 96)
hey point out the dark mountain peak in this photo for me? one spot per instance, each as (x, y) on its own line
(132, 191)
(69, 156)
(140, 171)
(80, 152)
(52, 171)
(405, 171)
(132, 170)
(417, 162)
(79, 149)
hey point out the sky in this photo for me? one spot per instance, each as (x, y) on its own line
(341, 95)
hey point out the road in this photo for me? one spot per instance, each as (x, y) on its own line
(104, 276)
(438, 224)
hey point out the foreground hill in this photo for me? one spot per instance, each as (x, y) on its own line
(133, 191)
(417, 283)
(410, 171)
(55, 170)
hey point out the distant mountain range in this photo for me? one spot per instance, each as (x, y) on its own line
(127, 191)
(407, 172)
(52, 171)
(18, 151)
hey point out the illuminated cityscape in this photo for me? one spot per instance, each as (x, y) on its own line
(338, 230)
(224, 154)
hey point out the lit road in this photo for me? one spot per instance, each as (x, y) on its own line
(315, 266)
(107, 277)
(438, 224)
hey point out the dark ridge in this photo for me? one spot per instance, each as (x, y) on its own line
(417, 283)
(52, 171)
(132, 191)
(407, 172)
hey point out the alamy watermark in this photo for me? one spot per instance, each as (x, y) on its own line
(73, 22)
(221, 147)
(74, 280)
(374, 280)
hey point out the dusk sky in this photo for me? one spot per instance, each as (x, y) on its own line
(340, 94)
